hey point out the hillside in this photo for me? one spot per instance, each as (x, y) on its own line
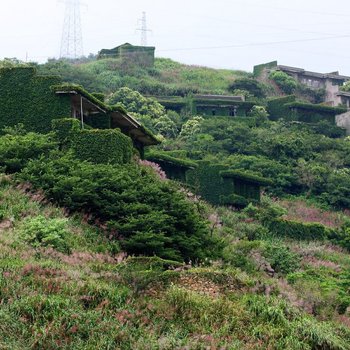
(274, 293)
(233, 232)
(167, 77)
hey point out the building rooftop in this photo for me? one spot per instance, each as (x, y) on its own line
(332, 75)
(119, 117)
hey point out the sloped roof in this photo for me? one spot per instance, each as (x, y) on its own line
(119, 116)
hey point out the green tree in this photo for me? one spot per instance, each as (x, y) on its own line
(287, 84)
(134, 102)
(191, 127)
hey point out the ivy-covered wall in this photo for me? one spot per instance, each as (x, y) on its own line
(313, 113)
(205, 107)
(102, 146)
(64, 129)
(142, 55)
(260, 68)
(175, 168)
(277, 108)
(219, 185)
(94, 145)
(208, 183)
(218, 110)
(27, 98)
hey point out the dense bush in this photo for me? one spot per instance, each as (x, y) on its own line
(299, 230)
(150, 215)
(251, 85)
(287, 84)
(44, 232)
(281, 258)
(18, 148)
(134, 102)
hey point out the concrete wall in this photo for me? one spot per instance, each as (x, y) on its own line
(343, 120)
(332, 94)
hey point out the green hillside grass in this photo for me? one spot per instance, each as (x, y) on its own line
(95, 298)
(167, 77)
(275, 275)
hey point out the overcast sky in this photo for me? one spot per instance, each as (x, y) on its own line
(237, 34)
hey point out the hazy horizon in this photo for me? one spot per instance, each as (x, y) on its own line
(233, 34)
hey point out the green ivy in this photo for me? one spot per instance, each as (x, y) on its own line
(299, 230)
(277, 108)
(246, 176)
(64, 129)
(25, 97)
(102, 146)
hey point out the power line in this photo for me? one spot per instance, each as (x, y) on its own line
(245, 45)
(72, 38)
(298, 10)
(257, 44)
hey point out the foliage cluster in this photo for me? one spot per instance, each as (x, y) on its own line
(31, 101)
(299, 230)
(166, 78)
(17, 148)
(284, 81)
(251, 85)
(44, 232)
(130, 200)
(94, 145)
(102, 146)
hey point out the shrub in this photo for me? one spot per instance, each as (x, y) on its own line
(251, 85)
(299, 230)
(40, 231)
(132, 201)
(281, 258)
(287, 84)
(17, 149)
(260, 114)
(134, 102)
(239, 255)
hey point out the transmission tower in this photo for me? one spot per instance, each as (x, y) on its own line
(143, 29)
(72, 39)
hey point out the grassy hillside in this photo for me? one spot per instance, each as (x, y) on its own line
(95, 298)
(166, 78)
(116, 256)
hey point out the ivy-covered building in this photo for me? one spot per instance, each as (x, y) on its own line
(329, 82)
(208, 105)
(141, 55)
(35, 101)
(289, 109)
(216, 183)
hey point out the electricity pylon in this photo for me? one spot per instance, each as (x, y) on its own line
(143, 29)
(72, 38)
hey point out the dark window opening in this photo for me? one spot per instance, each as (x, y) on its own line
(233, 112)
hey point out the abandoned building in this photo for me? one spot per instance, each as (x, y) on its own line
(330, 82)
(216, 183)
(140, 55)
(208, 105)
(35, 101)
